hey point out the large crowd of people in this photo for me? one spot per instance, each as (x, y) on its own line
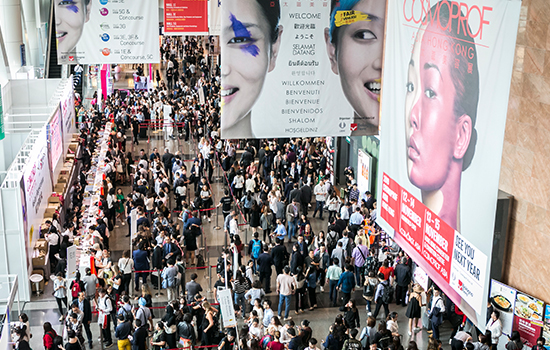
(277, 188)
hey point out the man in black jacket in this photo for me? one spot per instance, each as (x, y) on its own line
(139, 339)
(265, 261)
(84, 305)
(280, 255)
(305, 198)
(403, 278)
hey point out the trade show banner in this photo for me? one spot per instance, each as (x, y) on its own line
(55, 139)
(106, 31)
(528, 318)
(301, 68)
(503, 298)
(546, 327)
(448, 67)
(215, 17)
(364, 163)
(68, 114)
(186, 17)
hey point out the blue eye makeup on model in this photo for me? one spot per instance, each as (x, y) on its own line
(243, 37)
(71, 5)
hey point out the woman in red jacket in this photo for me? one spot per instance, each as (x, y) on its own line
(49, 335)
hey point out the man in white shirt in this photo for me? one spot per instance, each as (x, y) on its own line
(286, 285)
(104, 307)
(320, 192)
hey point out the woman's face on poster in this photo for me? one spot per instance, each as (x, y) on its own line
(248, 55)
(70, 17)
(430, 121)
(357, 59)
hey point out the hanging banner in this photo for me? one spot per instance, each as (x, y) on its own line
(186, 17)
(68, 109)
(301, 68)
(106, 31)
(215, 17)
(55, 139)
(503, 298)
(72, 267)
(364, 163)
(528, 322)
(226, 306)
(448, 67)
(546, 327)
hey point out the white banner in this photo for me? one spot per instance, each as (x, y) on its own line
(364, 163)
(55, 139)
(36, 176)
(68, 109)
(227, 308)
(215, 17)
(71, 262)
(447, 68)
(294, 68)
(107, 31)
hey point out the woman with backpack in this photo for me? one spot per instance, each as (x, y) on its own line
(369, 289)
(77, 286)
(49, 336)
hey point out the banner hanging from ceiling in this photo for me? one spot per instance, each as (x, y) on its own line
(215, 17)
(301, 68)
(186, 17)
(447, 66)
(106, 31)
(55, 139)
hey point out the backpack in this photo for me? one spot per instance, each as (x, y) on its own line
(265, 340)
(220, 265)
(128, 317)
(75, 289)
(256, 248)
(387, 294)
(332, 240)
(369, 290)
(200, 261)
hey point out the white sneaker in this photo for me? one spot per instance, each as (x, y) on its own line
(322, 289)
(410, 333)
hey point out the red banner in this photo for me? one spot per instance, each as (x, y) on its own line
(186, 16)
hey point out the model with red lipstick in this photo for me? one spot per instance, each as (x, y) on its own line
(355, 53)
(440, 116)
(70, 17)
(250, 40)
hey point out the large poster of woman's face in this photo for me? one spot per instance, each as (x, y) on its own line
(447, 71)
(103, 31)
(295, 67)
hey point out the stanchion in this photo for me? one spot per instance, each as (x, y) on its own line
(246, 234)
(209, 279)
(217, 227)
(158, 285)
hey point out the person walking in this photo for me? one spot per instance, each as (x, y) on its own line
(169, 279)
(139, 337)
(122, 332)
(320, 191)
(346, 284)
(60, 293)
(435, 313)
(333, 276)
(104, 307)
(382, 290)
(286, 286)
(86, 308)
(359, 257)
(403, 277)
(265, 262)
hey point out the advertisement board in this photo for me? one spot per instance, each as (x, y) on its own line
(106, 31)
(364, 163)
(68, 109)
(503, 299)
(55, 139)
(186, 17)
(421, 277)
(546, 326)
(528, 320)
(448, 67)
(301, 68)
(215, 17)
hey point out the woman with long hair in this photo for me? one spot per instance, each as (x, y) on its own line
(208, 324)
(169, 322)
(49, 336)
(300, 280)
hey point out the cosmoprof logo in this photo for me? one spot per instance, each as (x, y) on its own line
(104, 26)
(103, 11)
(105, 37)
(106, 52)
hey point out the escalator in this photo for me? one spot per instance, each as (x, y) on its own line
(53, 69)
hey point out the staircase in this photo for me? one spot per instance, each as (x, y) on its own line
(54, 69)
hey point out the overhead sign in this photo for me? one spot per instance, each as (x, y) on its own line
(186, 17)
(448, 67)
(364, 163)
(301, 68)
(71, 262)
(68, 108)
(106, 31)
(227, 308)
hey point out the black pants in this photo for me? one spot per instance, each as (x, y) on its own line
(107, 331)
(88, 332)
(300, 299)
(312, 297)
(265, 279)
(345, 298)
(379, 304)
(59, 304)
(278, 269)
(400, 295)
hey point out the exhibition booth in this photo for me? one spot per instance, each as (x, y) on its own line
(37, 164)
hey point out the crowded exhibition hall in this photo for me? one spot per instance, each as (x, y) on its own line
(274, 174)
